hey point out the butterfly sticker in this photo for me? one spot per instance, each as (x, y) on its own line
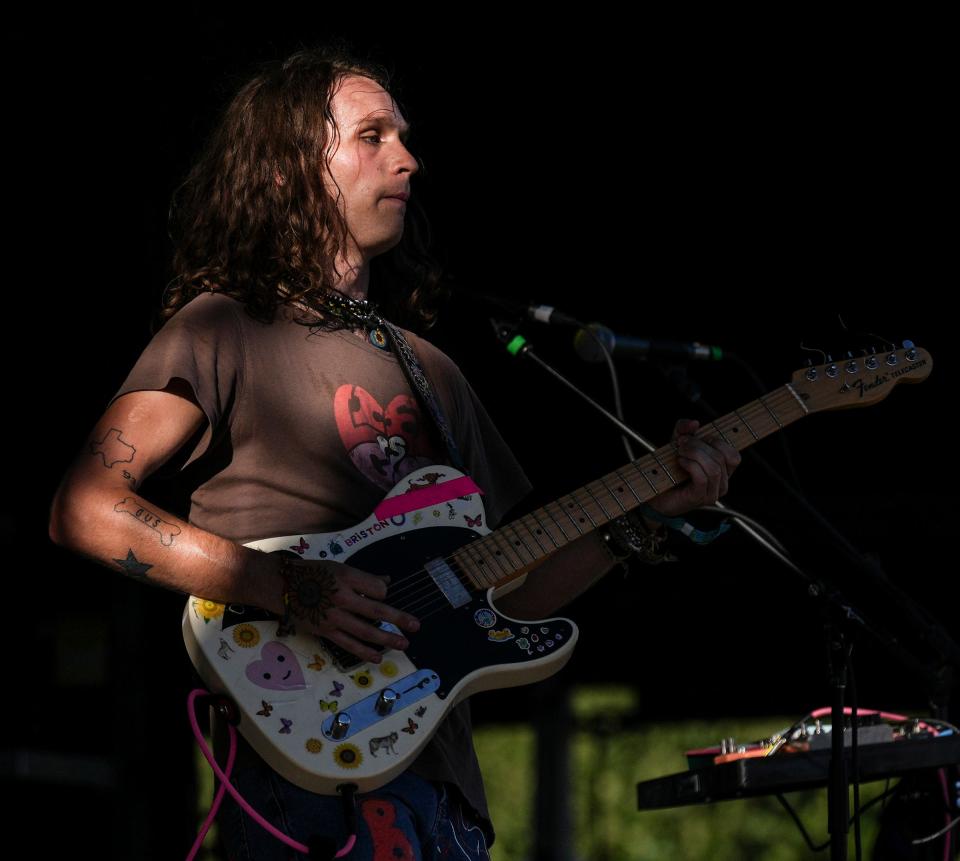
(317, 664)
(330, 706)
(411, 727)
(337, 689)
(420, 712)
(474, 521)
(299, 548)
(286, 725)
(267, 708)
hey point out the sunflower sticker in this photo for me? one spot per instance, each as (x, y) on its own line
(363, 678)
(246, 635)
(347, 755)
(208, 610)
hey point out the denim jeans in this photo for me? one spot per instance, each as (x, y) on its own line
(408, 819)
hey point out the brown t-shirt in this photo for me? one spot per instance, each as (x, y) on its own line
(306, 432)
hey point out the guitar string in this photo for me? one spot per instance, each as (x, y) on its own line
(420, 585)
(423, 589)
(745, 416)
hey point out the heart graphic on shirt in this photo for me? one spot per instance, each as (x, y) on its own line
(277, 669)
(385, 444)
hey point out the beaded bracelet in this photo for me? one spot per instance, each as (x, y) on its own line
(628, 536)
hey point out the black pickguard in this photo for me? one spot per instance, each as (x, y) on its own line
(452, 641)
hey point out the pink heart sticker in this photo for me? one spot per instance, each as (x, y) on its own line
(277, 669)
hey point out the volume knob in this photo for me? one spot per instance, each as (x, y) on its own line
(340, 725)
(386, 701)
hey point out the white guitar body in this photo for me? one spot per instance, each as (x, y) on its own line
(290, 690)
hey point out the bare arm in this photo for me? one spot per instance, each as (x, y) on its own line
(97, 512)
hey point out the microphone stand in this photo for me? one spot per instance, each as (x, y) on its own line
(840, 617)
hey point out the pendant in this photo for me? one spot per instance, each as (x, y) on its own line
(378, 337)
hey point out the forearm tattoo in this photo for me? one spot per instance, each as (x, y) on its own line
(133, 567)
(308, 591)
(166, 530)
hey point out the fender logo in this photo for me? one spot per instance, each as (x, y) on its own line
(882, 379)
(864, 387)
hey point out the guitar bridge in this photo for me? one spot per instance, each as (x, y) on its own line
(345, 660)
(342, 659)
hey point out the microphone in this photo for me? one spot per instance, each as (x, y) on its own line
(551, 316)
(639, 348)
(539, 313)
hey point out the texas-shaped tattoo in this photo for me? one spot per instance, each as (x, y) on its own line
(113, 449)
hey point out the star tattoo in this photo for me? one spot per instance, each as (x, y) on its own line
(133, 566)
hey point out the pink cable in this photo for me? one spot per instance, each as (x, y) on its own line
(885, 715)
(220, 790)
(225, 784)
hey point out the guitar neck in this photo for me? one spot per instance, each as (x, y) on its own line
(520, 546)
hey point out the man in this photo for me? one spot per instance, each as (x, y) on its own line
(291, 413)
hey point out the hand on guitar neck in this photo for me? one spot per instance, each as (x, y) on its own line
(708, 461)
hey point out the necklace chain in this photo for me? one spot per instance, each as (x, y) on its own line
(354, 312)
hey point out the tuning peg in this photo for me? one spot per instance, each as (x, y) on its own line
(911, 350)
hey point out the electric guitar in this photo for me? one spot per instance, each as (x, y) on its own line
(321, 717)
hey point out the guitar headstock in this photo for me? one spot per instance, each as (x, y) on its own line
(860, 381)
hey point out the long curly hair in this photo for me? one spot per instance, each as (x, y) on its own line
(236, 230)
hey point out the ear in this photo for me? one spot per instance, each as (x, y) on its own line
(278, 178)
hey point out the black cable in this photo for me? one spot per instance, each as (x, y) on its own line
(854, 755)
(796, 818)
(826, 845)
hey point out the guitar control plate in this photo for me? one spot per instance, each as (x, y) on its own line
(363, 713)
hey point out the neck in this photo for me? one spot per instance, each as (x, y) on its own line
(354, 278)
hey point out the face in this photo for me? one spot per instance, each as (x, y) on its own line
(370, 168)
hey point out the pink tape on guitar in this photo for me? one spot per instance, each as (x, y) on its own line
(421, 497)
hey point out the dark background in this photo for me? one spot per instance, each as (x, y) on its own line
(755, 184)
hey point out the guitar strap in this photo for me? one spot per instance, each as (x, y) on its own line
(421, 385)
